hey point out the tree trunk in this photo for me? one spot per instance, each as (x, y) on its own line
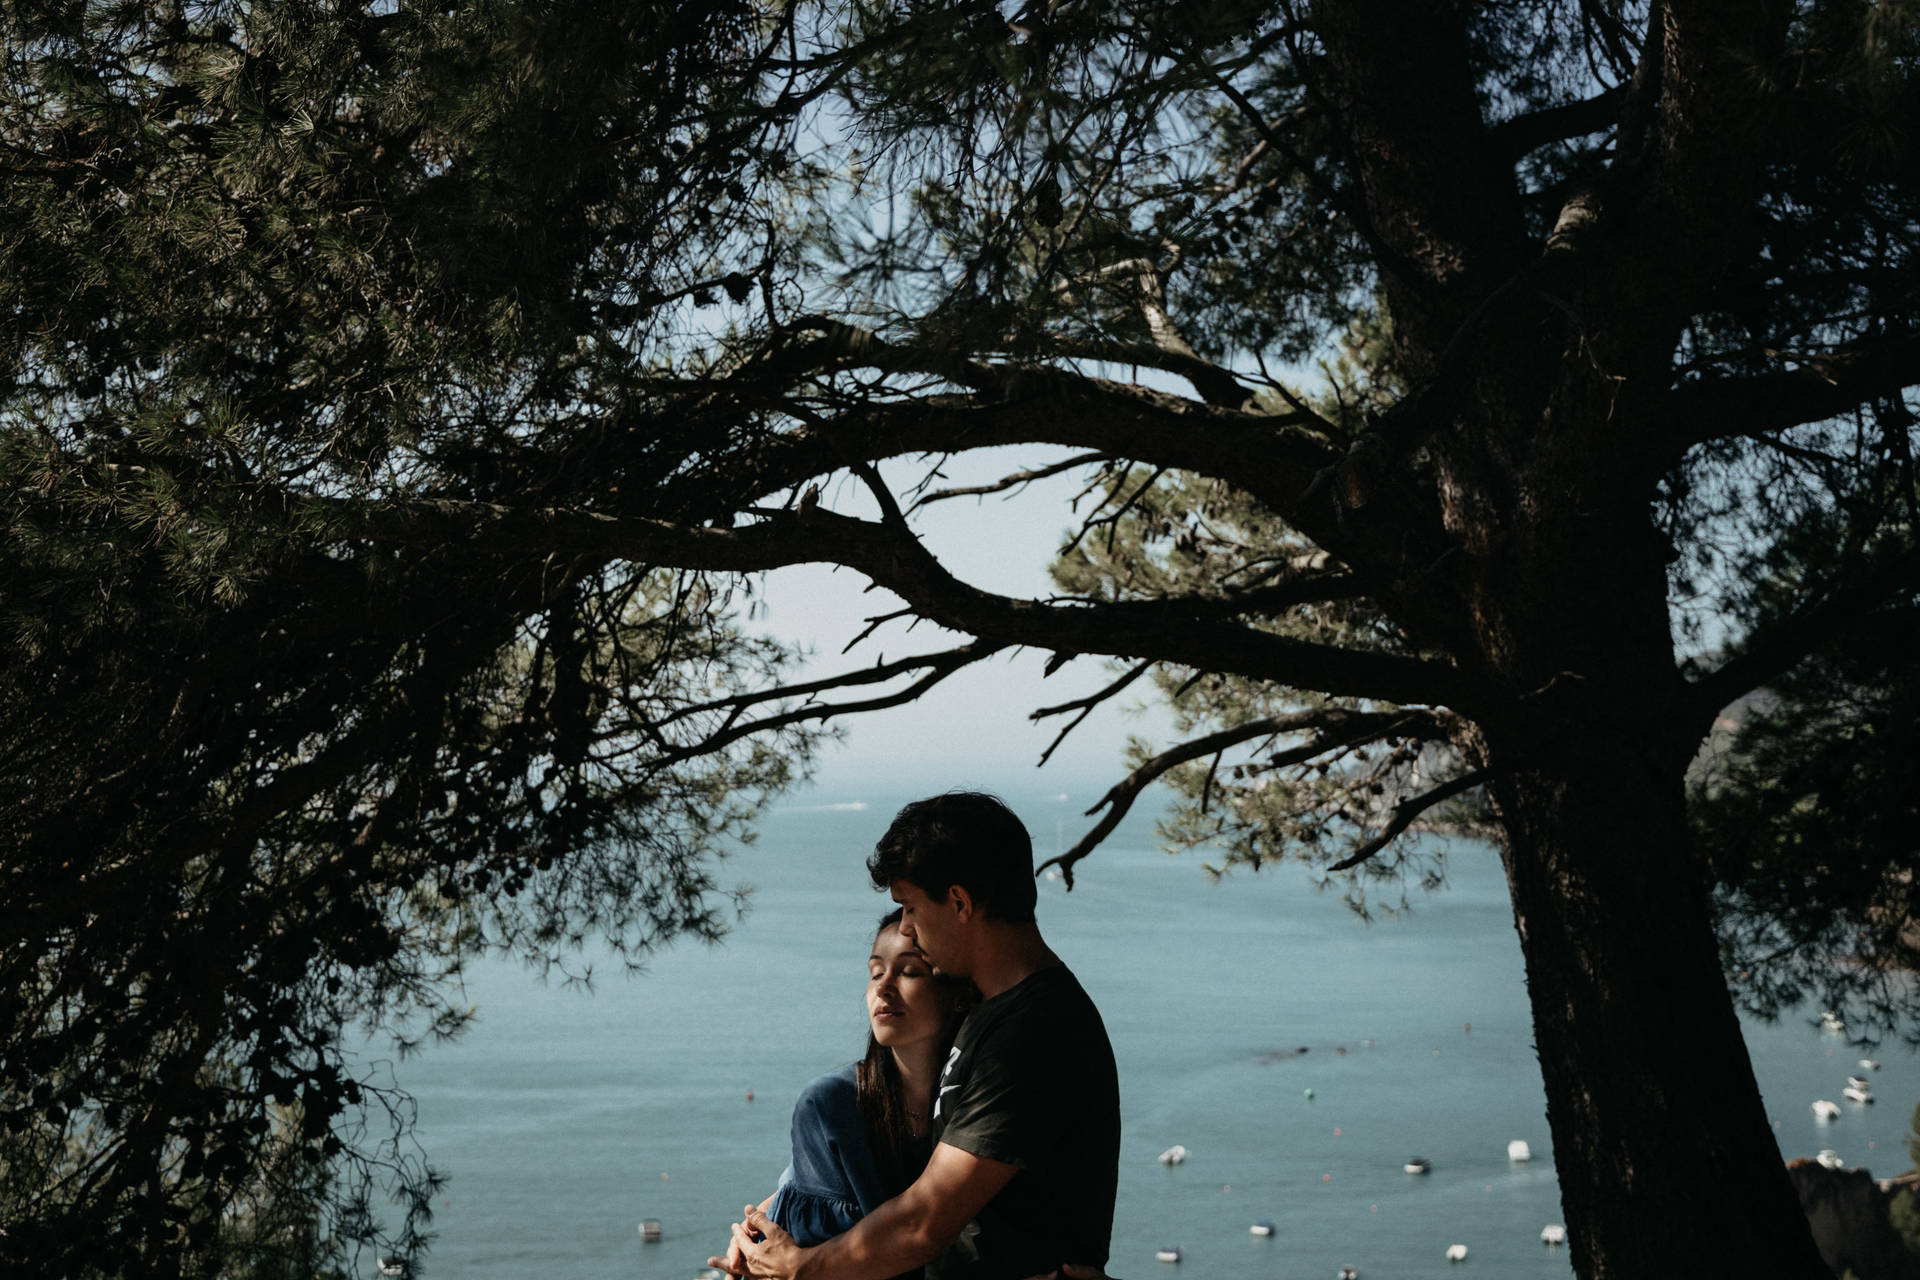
(1545, 472)
(1667, 1162)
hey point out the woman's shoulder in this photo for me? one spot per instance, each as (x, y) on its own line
(836, 1092)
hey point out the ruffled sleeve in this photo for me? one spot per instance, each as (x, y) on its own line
(832, 1182)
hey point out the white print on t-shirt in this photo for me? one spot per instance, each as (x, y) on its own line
(953, 1056)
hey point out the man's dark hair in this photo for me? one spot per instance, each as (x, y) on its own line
(965, 838)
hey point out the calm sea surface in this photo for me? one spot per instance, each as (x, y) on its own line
(564, 1119)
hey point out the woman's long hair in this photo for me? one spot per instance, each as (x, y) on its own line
(882, 1097)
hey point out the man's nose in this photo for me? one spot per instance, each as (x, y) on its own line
(907, 930)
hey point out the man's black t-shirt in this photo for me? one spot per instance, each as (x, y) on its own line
(1031, 1082)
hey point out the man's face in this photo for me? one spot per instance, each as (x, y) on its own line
(933, 926)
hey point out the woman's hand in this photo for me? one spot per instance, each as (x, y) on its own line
(760, 1248)
(733, 1262)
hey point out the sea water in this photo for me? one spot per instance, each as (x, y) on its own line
(1301, 1056)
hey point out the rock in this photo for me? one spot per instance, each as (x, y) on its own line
(1848, 1212)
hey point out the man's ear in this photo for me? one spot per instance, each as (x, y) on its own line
(961, 901)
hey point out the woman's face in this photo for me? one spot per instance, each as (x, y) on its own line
(903, 1004)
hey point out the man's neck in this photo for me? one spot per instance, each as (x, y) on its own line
(1010, 954)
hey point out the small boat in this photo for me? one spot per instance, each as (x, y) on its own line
(395, 1268)
(1831, 1021)
(1261, 1228)
(1860, 1082)
(1518, 1151)
(1851, 1094)
(1419, 1164)
(650, 1230)
(1456, 1253)
(1824, 1110)
(1349, 1273)
(1553, 1233)
(1868, 1064)
(1168, 1254)
(1830, 1159)
(1175, 1154)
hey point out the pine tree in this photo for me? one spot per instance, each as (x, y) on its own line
(271, 776)
(397, 399)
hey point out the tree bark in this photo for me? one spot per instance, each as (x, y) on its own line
(1666, 1160)
(1544, 465)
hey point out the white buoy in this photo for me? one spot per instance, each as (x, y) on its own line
(1168, 1254)
(1518, 1151)
(1261, 1228)
(1553, 1233)
(1824, 1111)
(1456, 1253)
(1175, 1154)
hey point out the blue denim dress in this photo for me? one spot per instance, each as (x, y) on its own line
(833, 1181)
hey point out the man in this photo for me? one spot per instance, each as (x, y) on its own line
(1026, 1118)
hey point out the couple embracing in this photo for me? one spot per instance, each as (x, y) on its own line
(980, 1136)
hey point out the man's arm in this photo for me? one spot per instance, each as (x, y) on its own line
(901, 1234)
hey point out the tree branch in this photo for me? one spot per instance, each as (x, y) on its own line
(1013, 481)
(1687, 163)
(1085, 706)
(938, 667)
(1824, 386)
(878, 673)
(1395, 547)
(1524, 134)
(1775, 649)
(893, 558)
(1334, 727)
(1406, 811)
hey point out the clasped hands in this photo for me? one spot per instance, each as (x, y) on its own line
(761, 1249)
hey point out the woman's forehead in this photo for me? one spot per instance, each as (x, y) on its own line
(891, 942)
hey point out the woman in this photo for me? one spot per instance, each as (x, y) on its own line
(860, 1134)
